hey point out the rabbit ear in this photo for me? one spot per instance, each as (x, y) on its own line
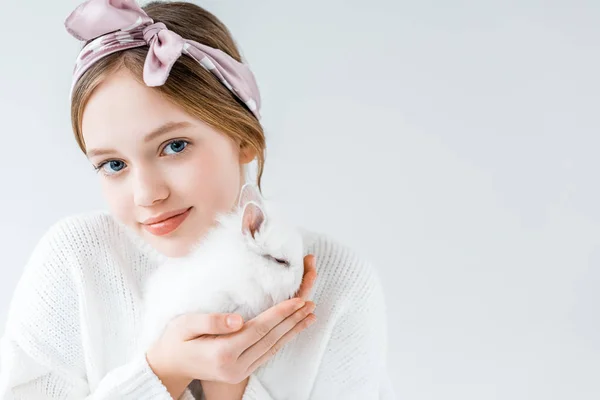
(250, 193)
(253, 218)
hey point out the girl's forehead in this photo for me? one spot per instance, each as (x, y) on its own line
(121, 105)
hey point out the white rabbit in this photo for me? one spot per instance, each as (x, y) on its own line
(251, 260)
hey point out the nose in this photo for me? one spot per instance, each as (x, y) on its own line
(149, 187)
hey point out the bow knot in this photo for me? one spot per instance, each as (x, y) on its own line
(165, 48)
(117, 25)
(150, 31)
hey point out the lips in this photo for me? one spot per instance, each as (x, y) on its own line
(166, 223)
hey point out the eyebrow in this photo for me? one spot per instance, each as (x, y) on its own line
(161, 130)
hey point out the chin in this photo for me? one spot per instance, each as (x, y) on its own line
(167, 246)
(173, 251)
(176, 253)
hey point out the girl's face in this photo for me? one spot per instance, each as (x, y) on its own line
(153, 158)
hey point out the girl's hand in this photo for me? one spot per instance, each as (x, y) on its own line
(202, 346)
(235, 391)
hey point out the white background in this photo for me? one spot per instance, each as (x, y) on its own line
(454, 143)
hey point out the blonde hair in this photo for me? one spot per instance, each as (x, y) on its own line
(189, 85)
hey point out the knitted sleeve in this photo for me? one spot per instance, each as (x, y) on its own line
(41, 354)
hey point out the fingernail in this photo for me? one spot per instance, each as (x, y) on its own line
(233, 321)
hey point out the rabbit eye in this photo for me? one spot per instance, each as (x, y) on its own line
(281, 261)
(278, 260)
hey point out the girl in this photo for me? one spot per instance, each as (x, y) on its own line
(168, 114)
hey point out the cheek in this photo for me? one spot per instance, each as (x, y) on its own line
(119, 201)
(211, 181)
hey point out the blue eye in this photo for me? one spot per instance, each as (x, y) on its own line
(114, 166)
(177, 146)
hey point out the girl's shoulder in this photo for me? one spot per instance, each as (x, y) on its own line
(61, 266)
(86, 233)
(78, 242)
(81, 227)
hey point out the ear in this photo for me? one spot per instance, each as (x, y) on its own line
(253, 218)
(247, 154)
(250, 193)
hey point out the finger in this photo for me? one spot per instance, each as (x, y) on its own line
(302, 325)
(308, 262)
(310, 274)
(194, 325)
(261, 325)
(264, 345)
(306, 288)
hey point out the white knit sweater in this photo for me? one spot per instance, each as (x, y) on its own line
(74, 320)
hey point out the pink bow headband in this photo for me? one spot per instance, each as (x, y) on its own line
(117, 25)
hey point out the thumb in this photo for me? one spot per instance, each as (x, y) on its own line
(194, 325)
